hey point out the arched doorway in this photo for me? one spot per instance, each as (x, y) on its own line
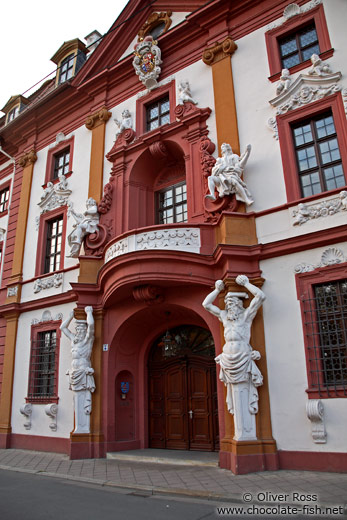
(182, 390)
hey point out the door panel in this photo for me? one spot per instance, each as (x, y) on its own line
(200, 421)
(176, 408)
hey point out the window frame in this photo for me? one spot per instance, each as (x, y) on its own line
(5, 187)
(157, 203)
(68, 58)
(143, 102)
(293, 25)
(305, 283)
(285, 123)
(51, 156)
(47, 326)
(42, 241)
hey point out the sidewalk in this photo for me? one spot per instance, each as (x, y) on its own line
(171, 476)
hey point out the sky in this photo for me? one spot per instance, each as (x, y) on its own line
(32, 31)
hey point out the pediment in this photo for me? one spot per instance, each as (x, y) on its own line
(306, 89)
(119, 41)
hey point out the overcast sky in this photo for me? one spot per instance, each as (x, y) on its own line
(32, 31)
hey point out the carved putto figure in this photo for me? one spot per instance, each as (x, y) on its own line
(343, 199)
(318, 67)
(238, 370)
(226, 175)
(302, 214)
(85, 224)
(147, 61)
(125, 123)
(284, 83)
(81, 380)
(184, 93)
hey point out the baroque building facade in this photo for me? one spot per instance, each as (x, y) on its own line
(138, 123)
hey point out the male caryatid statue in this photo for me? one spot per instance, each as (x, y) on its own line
(238, 370)
(226, 175)
(81, 380)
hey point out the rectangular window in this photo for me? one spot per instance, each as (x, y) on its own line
(66, 68)
(325, 325)
(53, 245)
(298, 46)
(158, 113)
(61, 163)
(318, 155)
(172, 204)
(4, 196)
(43, 366)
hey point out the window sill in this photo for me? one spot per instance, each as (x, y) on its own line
(42, 400)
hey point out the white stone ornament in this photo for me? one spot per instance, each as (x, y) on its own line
(184, 94)
(315, 413)
(147, 62)
(12, 291)
(125, 123)
(26, 410)
(284, 83)
(47, 316)
(292, 10)
(319, 68)
(238, 370)
(326, 208)
(81, 380)
(52, 411)
(47, 283)
(330, 256)
(85, 224)
(226, 175)
(55, 195)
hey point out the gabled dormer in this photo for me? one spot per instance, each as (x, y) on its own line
(69, 58)
(14, 106)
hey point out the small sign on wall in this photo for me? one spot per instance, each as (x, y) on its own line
(105, 347)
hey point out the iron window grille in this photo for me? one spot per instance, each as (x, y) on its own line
(53, 245)
(298, 47)
(42, 376)
(172, 204)
(158, 113)
(325, 315)
(4, 196)
(66, 68)
(61, 163)
(318, 155)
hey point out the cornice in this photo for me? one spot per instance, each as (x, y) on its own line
(27, 159)
(98, 118)
(219, 51)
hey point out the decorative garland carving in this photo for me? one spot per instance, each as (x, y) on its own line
(330, 256)
(106, 201)
(47, 283)
(96, 119)
(153, 20)
(219, 51)
(47, 316)
(325, 208)
(28, 158)
(149, 294)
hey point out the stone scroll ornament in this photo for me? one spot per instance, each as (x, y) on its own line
(85, 225)
(238, 370)
(147, 61)
(226, 176)
(81, 380)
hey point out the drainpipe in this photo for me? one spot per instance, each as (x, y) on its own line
(13, 161)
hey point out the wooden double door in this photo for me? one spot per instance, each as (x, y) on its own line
(183, 403)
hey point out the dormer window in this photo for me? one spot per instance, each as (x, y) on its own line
(66, 68)
(14, 107)
(13, 113)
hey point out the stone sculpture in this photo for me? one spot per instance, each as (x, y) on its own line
(85, 224)
(125, 123)
(284, 83)
(226, 175)
(184, 94)
(318, 67)
(147, 61)
(238, 370)
(81, 380)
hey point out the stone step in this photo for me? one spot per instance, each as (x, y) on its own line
(177, 457)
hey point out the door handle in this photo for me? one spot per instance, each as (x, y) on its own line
(190, 414)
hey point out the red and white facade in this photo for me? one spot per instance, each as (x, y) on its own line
(144, 275)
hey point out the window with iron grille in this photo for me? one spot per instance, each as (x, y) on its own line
(318, 155)
(66, 68)
(158, 113)
(172, 204)
(325, 315)
(61, 163)
(299, 46)
(53, 245)
(4, 195)
(43, 366)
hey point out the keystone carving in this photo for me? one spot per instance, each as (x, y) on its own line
(149, 294)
